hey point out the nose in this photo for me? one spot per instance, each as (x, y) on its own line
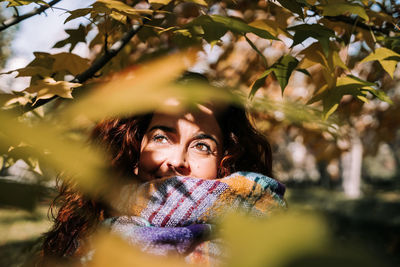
(177, 162)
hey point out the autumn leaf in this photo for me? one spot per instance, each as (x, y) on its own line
(282, 70)
(75, 36)
(85, 164)
(12, 3)
(386, 57)
(336, 9)
(108, 6)
(215, 26)
(293, 6)
(48, 87)
(316, 31)
(77, 13)
(70, 62)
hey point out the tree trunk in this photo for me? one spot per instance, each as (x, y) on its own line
(351, 168)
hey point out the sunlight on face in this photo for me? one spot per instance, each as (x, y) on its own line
(187, 144)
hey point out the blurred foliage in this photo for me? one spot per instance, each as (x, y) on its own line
(308, 70)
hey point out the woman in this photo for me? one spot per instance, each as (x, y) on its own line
(179, 160)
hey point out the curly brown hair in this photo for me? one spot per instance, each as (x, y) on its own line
(244, 149)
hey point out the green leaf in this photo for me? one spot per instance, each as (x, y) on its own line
(215, 26)
(238, 26)
(316, 31)
(199, 2)
(75, 36)
(108, 6)
(259, 83)
(386, 57)
(293, 6)
(282, 70)
(381, 95)
(336, 9)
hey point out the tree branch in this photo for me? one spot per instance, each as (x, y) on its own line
(359, 24)
(12, 21)
(95, 67)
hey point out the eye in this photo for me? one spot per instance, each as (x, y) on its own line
(160, 138)
(203, 147)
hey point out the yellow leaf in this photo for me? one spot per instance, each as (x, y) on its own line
(163, 2)
(70, 62)
(274, 241)
(337, 61)
(48, 87)
(269, 26)
(134, 90)
(85, 164)
(107, 6)
(335, 9)
(200, 2)
(385, 57)
(381, 53)
(110, 250)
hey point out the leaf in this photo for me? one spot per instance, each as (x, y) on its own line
(293, 6)
(386, 57)
(108, 6)
(77, 13)
(70, 62)
(316, 31)
(12, 3)
(381, 95)
(269, 26)
(336, 9)
(162, 2)
(289, 235)
(48, 87)
(215, 26)
(135, 90)
(42, 59)
(31, 71)
(259, 83)
(85, 164)
(282, 70)
(238, 26)
(142, 89)
(75, 36)
(199, 2)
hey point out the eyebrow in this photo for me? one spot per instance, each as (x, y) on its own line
(205, 136)
(173, 130)
(163, 128)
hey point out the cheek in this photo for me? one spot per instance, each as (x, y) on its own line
(206, 168)
(150, 160)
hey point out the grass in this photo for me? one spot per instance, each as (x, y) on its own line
(19, 233)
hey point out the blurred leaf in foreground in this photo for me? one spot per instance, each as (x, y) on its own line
(142, 90)
(110, 250)
(74, 159)
(272, 242)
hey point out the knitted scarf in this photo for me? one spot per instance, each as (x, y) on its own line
(176, 215)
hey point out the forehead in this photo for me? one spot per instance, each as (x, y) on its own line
(201, 118)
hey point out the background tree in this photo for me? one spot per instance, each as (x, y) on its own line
(319, 76)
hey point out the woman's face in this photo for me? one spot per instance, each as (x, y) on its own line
(188, 144)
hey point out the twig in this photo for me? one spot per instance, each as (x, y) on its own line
(95, 67)
(12, 21)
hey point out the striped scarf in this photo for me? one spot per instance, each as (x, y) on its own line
(176, 215)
